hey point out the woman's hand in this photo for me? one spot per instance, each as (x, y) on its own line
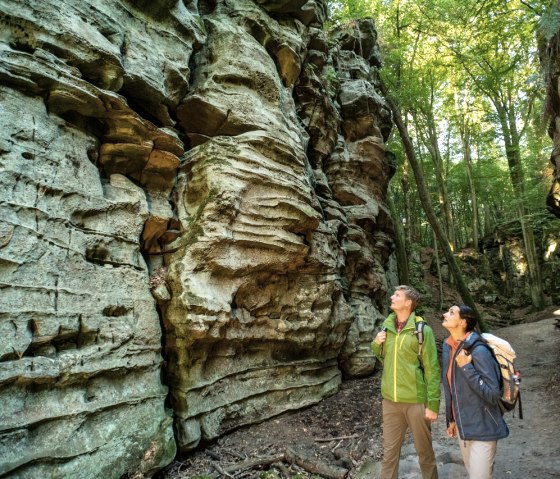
(463, 358)
(452, 430)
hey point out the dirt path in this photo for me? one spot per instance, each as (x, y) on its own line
(533, 446)
(352, 419)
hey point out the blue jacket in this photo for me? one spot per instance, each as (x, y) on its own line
(475, 392)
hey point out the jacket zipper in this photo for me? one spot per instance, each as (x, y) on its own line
(491, 415)
(458, 412)
(395, 361)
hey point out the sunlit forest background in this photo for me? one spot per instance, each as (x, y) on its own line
(469, 83)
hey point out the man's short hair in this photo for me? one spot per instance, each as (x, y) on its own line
(410, 293)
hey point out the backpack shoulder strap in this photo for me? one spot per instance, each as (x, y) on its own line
(419, 332)
(419, 328)
(482, 342)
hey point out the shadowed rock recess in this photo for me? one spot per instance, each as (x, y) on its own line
(193, 234)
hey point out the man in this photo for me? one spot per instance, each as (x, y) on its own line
(472, 386)
(409, 384)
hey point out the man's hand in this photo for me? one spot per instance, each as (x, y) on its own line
(381, 337)
(430, 415)
(452, 430)
(463, 358)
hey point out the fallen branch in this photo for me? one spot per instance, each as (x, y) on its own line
(284, 471)
(213, 455)
(231, 452)
(329, 439)
(312, 466)
(265, 461)
(221, 470)
(337, 445)
(316, 467)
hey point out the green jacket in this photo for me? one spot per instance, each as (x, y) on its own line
(402, 379)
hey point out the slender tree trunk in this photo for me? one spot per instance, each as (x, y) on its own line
(465, 140)
(430, 214)
(440, 279)
(488, 222)
(400, 245)
(405, 185)
(444, 203)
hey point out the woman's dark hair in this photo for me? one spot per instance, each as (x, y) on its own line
(468, 315)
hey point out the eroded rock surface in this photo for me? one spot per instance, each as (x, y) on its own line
(279, 277)
(86, 180)
(202, 183)
(550, 60)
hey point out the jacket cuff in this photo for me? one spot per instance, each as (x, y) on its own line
(433, 406)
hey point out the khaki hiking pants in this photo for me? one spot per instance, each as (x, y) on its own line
(397, 418)
(479, 457)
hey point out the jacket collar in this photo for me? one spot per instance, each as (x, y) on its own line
(389, 323)
(471, 338)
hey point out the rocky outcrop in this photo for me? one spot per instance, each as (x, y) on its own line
(502, 270)
(549, 49)
(202, 183)
(279, 277)
(86, 179)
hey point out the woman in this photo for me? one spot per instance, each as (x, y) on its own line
(471, 383)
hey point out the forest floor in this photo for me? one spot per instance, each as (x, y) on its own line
(342, 435)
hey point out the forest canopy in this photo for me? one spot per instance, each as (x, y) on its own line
(470, 86)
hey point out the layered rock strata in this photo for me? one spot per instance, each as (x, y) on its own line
(200, 181)
(279, 277)
(86, 179)
(549, 49)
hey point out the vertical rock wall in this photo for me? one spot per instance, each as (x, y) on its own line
(85, 182)
(550, 60)
(279, 276)
(199, 181)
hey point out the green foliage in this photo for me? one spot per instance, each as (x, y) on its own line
(467, 71)
(330, 80)
(340, 11)
(268, 475)
(549, 22)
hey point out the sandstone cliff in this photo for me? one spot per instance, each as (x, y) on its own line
(193, 233)
(550, 59)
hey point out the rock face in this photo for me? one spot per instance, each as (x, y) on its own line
(550, 60)
(86, 179)
(506, 269)
(202, 183)
(278, 279)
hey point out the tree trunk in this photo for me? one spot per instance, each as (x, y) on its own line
(465, 140)
(408, 217)
(440, 280)
(425, 200)
(400, 244)
(432, 144)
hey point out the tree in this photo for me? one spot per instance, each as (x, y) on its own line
(493, 62)
(465, 78)
(426, 204)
